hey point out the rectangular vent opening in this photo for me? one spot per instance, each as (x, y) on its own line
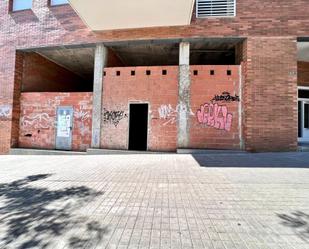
(215, 8)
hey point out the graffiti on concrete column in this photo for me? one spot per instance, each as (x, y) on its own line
(216, 116)
(5, 111)
(37, 121)
(170, 114)
(113, 117)
(226, 97)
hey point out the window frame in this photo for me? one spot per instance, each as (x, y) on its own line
(212, 16)
(12, 10)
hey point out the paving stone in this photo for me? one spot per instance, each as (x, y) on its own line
(153, 201)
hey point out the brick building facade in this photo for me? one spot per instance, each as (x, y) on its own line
(260, 113)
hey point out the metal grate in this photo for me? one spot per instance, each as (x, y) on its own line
(215, 8)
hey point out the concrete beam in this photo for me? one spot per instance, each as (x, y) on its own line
(100, 59)
(184, 96)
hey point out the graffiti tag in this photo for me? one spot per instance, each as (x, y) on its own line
(216, 116)
(167, 112)
(226, 96)
(170, 114)
(5, 111)
(52, 102)
(37, 121)
(113, 117)
(81, 120)
(81, 115)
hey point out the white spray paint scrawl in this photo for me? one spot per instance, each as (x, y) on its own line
(37, 121)
(5, 111)
(82, 115)
(170, 114)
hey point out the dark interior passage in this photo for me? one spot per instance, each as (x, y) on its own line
(299, 119)
(138, 128)
(43, 75)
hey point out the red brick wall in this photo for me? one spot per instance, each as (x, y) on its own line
(303, 73)
(44, 26)
(160, 91)
(9, 105)
(38, 119)
(42, 75)
(214, 123)
(270, 94)
(59, 25)
(16, 98)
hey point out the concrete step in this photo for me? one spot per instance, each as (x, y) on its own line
(303, 148)
(120, 152)
(202, 151)
(21, 151)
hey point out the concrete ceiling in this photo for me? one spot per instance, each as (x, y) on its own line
(303, 51)
(80, 60)
(203, 51)
(77, 60)
(148, 54)
(213, 51)
(126, 14)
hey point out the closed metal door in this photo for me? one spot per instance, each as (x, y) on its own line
(64, 128)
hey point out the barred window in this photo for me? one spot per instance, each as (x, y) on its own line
(215, 8)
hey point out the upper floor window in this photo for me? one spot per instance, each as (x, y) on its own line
(58, 2)
(215, 8)
(21, 5)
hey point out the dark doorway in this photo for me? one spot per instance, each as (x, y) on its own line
(138, 128)
(300, 119)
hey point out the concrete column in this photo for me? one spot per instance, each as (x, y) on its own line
(100, 60)
(184, 95)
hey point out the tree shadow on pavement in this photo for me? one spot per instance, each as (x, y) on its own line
(298, 221)
(33, 216)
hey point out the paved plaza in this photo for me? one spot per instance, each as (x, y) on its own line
(155, 201)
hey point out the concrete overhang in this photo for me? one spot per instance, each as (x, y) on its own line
(126, 14)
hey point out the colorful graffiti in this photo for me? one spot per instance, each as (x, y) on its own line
(226, 97)
(37, 121)
(5, 111)
(113, 117)
(216, 116)
(170, 114)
